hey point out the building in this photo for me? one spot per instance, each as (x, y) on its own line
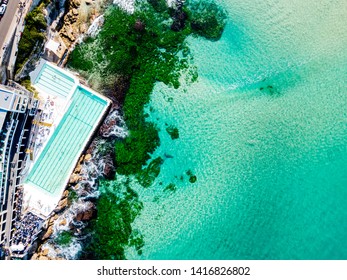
(57, 126)
(17, 109)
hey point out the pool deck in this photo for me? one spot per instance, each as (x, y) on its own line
(84, 111)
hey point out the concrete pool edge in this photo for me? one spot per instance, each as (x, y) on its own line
(35, 192)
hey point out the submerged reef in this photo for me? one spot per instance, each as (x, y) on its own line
(192, 177)
(207, 19)
(173, 132)
(170, 187)
(148, 174)
(130, 54)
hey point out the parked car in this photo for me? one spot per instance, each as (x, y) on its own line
(3, 9)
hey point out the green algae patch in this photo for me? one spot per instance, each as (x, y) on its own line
(140, 50)
(171, 187)
(134, 151)
(144, 48)
(192, 177)
(158, 5)
(207, 19)
(72, 196)
(140, 46)
(136, 241)
(147, 176)
(117, 207)
(173, 132)
(64, 238)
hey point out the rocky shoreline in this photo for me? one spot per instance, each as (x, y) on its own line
(78, 18)
(68, 22)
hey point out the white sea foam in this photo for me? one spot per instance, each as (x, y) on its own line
(94, 28)
(117, 126)
(126, 5)
(129, 5)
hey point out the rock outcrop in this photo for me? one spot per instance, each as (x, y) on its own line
(74, 178)
(79, 15)
(87, 157)
(48, 233)
(86, 216)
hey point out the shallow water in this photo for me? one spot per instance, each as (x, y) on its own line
(271, 164)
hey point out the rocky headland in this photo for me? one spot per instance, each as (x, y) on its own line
(79, 16)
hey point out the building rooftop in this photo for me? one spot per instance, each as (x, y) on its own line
(6, 99)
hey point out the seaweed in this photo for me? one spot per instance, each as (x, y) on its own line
(192, 177)
(173, 132)
(64, 238)
(72, 196)
(207, 19)
(147, 176)
(143, 48)
(117, 207)
(170, 187)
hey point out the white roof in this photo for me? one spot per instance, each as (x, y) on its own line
(6, 99)
(52, 45)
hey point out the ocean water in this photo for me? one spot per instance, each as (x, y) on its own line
(271, 164)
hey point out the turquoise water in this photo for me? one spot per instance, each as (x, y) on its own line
(271, 164)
